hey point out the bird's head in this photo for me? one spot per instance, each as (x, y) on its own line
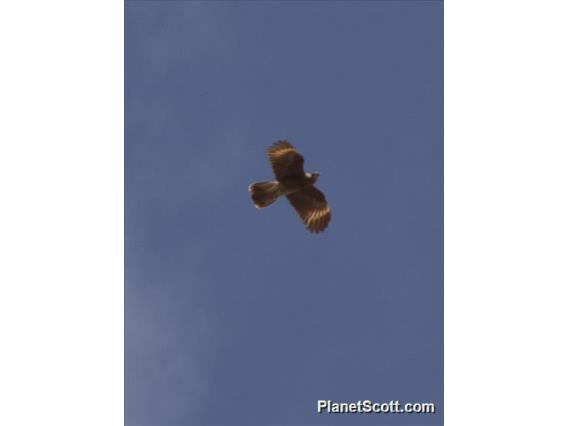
(312, 177)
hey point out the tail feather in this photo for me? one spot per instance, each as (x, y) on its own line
(264, 193)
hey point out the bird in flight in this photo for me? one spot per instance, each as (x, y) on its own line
(292, 182)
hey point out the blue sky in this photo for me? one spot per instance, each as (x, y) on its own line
(235, 316)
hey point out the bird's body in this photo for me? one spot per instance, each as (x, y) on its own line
(291, 184)
(297, 185)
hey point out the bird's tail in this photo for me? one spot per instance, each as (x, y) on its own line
(264, 193)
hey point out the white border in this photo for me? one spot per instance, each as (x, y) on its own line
(61, 220)
(506, 212)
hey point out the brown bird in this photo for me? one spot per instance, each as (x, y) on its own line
(295, 184)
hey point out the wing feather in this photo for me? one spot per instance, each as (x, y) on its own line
(312, 207)
(285, 160)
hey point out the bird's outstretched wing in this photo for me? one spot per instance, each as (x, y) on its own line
(285, 160)
(311, 205)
